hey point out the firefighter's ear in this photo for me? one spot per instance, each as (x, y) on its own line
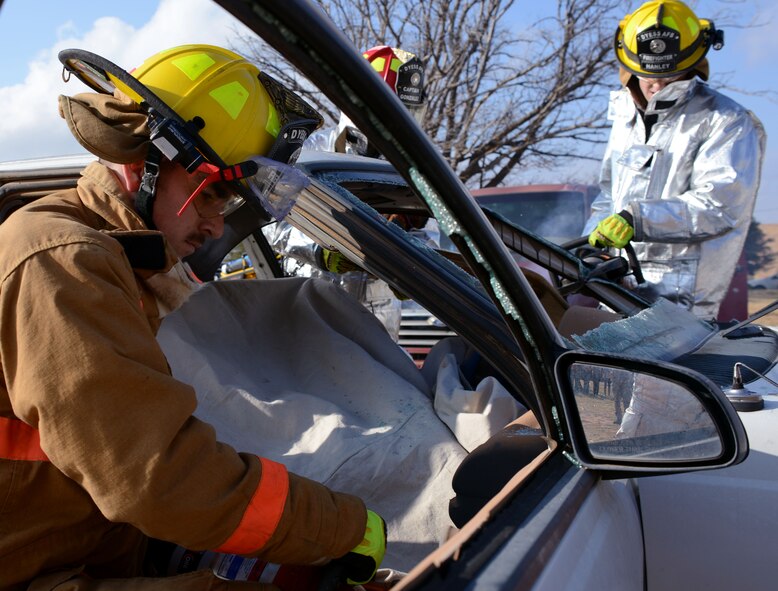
(130, 175)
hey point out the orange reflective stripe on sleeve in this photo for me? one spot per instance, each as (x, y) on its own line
(263, 513)
(19, 441)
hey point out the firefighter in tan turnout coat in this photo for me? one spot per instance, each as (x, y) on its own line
(99, 451)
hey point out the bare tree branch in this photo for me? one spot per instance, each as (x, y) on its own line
(501, 99)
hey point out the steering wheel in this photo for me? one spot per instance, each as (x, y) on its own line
(602, 263)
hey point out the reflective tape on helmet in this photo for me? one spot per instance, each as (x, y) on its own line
(20, 441)
(231, 97)
(263, 512)
(379, 64)
(193, 66)
(273, 123)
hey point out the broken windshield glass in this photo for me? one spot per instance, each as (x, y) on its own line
(662, 332)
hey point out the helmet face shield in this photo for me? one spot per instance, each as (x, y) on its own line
(276, 185)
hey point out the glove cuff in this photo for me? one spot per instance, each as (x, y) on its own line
(363, 561)
(627, 217)
(318, 255)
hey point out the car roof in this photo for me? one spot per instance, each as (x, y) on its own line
(539, 188)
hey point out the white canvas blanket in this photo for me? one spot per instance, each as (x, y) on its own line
(298, 372)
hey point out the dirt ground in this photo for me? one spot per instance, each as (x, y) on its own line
(758, 299)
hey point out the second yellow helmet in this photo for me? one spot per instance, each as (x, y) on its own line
(664, 38)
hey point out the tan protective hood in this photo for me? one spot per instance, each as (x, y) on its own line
(112, 127)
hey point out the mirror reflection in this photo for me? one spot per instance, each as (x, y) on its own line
(626, 414)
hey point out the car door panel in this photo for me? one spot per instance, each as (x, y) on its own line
(603, 548)
(727, 513)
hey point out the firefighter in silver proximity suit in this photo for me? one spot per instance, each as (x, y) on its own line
(681, 170)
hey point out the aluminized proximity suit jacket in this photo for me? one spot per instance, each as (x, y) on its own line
(98, 445)
(690, 184)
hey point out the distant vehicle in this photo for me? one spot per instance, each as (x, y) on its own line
(770, 282)
(558, 213)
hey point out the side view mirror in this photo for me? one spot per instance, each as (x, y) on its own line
(631, 417)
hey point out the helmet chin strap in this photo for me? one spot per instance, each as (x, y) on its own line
(144, 200)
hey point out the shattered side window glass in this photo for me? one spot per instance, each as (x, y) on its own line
(662, 332)
(335, 182)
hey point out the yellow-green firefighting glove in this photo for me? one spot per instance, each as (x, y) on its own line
(362, 562)
(615, 230)
(334, 262)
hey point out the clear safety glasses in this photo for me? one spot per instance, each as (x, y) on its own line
(274, 184)
(663, 79)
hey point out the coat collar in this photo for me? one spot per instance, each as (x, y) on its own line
(672, 95)
(102, 193)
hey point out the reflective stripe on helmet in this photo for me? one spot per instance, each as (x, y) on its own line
(20, 441)
(263, 512)
(231, 97)
(378, 64)
(193, 66)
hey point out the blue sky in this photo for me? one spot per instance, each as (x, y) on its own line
(32, 32)
(22, 42)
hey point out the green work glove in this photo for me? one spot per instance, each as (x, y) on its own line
(334, 262)
(362, 562)
(615, 230)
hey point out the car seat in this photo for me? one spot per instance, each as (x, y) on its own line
(491, 465)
